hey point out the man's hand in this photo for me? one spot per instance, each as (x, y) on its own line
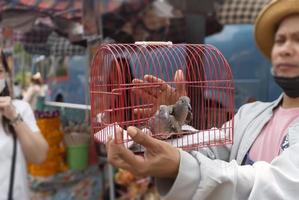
(160, 158)
(160, 94)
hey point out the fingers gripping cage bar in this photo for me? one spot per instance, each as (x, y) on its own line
(129, 82)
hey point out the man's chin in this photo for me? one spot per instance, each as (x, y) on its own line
(287, 75)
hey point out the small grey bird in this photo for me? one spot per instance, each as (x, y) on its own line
(163, 122)
(168, 120)
(182, 110)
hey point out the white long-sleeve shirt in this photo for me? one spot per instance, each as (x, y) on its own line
(20, 191)
(217, 173)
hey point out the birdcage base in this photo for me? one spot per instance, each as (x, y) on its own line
(188, 139)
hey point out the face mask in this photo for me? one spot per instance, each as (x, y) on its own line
(290, 86)
(2, 84)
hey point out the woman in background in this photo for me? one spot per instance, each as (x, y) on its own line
(20, 139)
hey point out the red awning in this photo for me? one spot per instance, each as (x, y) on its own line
(32, 21)
(69, 9)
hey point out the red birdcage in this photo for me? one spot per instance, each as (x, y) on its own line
(208, 83)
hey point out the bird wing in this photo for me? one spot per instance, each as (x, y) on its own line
(189, 116)
(174, 125)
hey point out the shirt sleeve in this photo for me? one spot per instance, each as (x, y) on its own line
(186, 182)
(28, 116)
(202, 178)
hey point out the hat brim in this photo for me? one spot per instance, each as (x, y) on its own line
(268, 20)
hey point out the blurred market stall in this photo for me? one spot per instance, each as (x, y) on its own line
(65, 28)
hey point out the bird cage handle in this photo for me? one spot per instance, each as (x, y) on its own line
(153, 43)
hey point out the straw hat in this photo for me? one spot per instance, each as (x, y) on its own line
(268, 20)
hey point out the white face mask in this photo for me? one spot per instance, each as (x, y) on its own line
(2, 85)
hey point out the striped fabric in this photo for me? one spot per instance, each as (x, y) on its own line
(38, 34)
(240, 11)
(55, 45)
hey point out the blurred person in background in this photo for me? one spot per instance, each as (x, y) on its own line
(151, 23)
(154, 22)
(20, 139)
(263, 161)
(36, 89)
(17, 90)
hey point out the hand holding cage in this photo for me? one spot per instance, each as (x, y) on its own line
(162, 95)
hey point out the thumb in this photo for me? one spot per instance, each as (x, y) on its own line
(118, 137)
(179, 79)
(141, 138)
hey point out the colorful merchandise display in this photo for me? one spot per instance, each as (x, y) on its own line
(70, 185)
(132, 187)
(49, 125)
